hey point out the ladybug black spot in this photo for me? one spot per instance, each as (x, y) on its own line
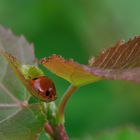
(47, 93)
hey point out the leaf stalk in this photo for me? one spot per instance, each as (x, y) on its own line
(71, 89)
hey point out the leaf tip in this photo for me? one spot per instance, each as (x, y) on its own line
(43, 60)
(50, 58)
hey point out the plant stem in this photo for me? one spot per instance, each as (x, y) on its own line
(60, 133)
(56, 128)
(64, 100)
(49, 129)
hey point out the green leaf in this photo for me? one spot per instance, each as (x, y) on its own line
(17, 46)
(18, 119)
(71, 71)
(30, 72)
(24, 124)
(25, 73)
(44, 136)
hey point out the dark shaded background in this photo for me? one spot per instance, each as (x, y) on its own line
(79, 29)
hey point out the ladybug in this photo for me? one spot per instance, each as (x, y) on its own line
(45, 88)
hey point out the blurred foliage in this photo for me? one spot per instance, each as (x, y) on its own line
(80, 29)
(125, 133)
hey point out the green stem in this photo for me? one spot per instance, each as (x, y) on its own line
(64, 101)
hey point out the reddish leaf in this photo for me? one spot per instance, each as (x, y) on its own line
(121, 62)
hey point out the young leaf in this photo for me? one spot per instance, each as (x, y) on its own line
(31, 72)
(18, 69)
(68, 69)
(15, 112)
(121, 62)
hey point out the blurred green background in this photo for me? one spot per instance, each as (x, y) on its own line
(80, 29)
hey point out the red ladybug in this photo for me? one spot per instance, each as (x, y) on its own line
(45, 88)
